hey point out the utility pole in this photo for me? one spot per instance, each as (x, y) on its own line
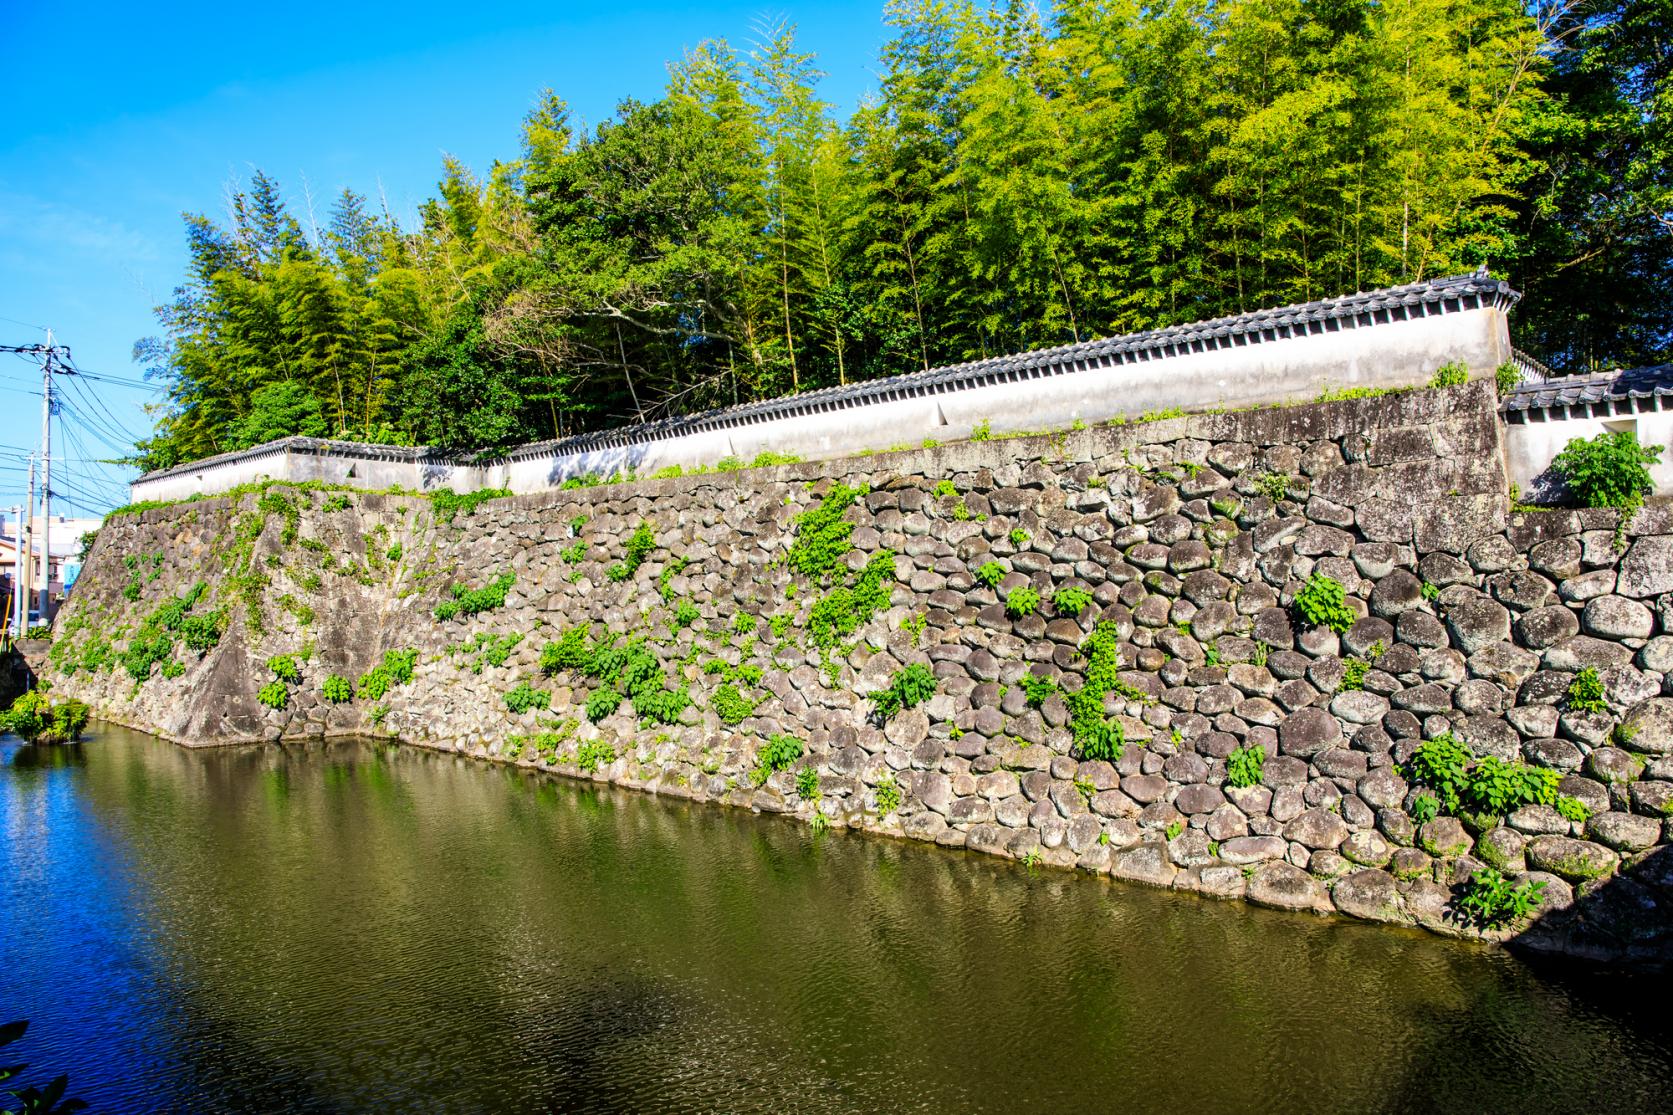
(49, 354)
(46, 480)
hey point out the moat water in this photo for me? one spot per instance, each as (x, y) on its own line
(362, 927)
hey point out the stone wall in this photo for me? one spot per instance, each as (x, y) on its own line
(1192, 536)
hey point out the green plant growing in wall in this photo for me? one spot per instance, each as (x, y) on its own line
(1491, 900)
(523, 697)
(1507, 377)
(1021, 602)
(1038, 688)
(807, 784)
(465, 601)
(1454, 374)
(284, 668)
(639, 546)
(1586, 692)
(1322, 602)
(445, 503)
(1071, 600)
(602, 702)
(1275, 486)
(1573, 809)
(1609, 470)
(889, 796)
(1096, 735)
(1244, 766)
(983, 430)
(745, 622)
(274, 695)
(664, 580)
(730, 705)
(778, 753)
(337, 689)
(843, 610)
(910, 687)
(1019, 537)
(821, 535)
(990, 573)
(685, 614)
(594, 754)
(395, 669)
(337, 502)
(1354, 671)
(1425, 807)
(1174, 829)
(1429, 592)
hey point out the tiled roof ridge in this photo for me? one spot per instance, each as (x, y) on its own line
(1614, 385)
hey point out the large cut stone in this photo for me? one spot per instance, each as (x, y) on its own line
(1616, 617)
(1144, 863)
(1647, 568)
(1649, 727)
(1370, 894)
(1306, 732)
(1573, 859)
(1285, 886)
(1317, 828)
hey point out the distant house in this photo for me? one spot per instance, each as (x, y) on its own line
(64, 561)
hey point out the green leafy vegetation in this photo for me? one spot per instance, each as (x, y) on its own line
(337, 689)
(524, 697)
(36, 718)
(285, 668)
(990, 573)
(1038, 688)
(594, 754)
(778, 753)
(622, 671)
(1022, 601)
(1019, 537)
(395, 669)
(685, 614)
(1609, 470)
(1489, 786)
(889, 796)
(1071, 601)
(1489, 899)
(807, 784)
(730, 705)
(639, 546)
(1244, 766)
(1353, 675)
(844, 610)
(1275, 486)
(275, 695)
(1098, 736)
(821, 535)
(446, 504)
(1450, 375)
(1322, 602)
(1585, 692)
(1506, 377)
(465, 601)
(910, 687)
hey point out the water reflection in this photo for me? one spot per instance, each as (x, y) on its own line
(353, 926)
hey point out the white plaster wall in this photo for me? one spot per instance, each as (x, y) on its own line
(1296, 369)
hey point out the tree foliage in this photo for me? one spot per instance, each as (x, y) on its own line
(1017, 180)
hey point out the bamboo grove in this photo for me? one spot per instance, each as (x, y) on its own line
(1016, 180)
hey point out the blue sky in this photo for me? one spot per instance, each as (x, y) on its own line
(116, 118)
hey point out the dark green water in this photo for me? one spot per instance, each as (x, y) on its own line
(356, 928)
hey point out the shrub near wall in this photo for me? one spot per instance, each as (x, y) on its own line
(1193, 716)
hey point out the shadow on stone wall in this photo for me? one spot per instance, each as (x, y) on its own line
(1625, 917)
